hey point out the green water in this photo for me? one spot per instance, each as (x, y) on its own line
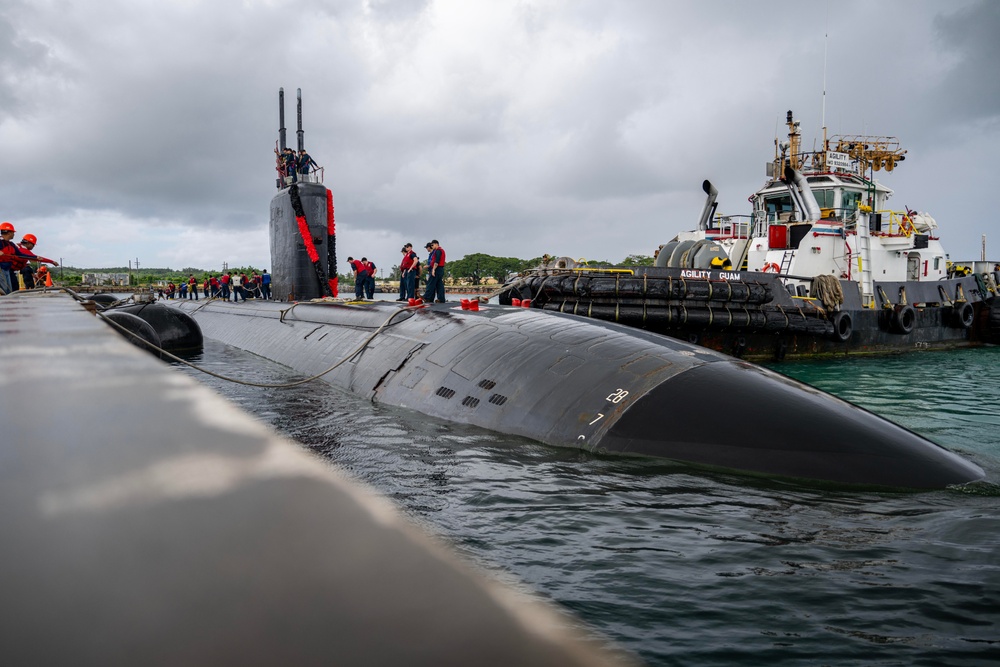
(949, 397)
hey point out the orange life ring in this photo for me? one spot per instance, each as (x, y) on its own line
(771, 267)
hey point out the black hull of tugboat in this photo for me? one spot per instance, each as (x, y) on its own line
(753, 316)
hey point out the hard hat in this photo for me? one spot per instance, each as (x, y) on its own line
(43, 268)
(6, 227)
(29, 238)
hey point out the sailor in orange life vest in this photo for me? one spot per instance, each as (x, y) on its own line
(11, 253)
(27, 247)
(44, 276)
(435, 273)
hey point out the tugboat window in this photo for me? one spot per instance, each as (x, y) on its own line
(777, 205)
(824, 198)
(851, 200)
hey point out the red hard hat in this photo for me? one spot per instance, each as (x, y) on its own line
(6, 227)
(29, 238)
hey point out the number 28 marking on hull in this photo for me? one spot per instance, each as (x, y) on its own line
(617, 396)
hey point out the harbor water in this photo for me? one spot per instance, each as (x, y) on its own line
(685, 567)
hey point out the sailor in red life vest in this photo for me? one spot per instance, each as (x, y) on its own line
(26, 248)
(370, 280)
(360, 276)
(435, 273)
(407, 273)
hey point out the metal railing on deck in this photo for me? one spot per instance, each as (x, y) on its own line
(315, 176)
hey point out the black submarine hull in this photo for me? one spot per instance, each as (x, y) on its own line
(573, 382)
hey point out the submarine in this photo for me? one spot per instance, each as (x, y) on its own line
(556, 378)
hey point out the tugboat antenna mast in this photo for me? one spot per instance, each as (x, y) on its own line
(826, 44)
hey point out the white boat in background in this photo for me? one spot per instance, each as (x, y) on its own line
(822, 265)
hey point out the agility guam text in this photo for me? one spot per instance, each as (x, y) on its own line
(722, 275)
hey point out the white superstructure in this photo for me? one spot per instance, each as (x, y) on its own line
(823, 212)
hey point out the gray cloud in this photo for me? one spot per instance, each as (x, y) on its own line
(513, 129)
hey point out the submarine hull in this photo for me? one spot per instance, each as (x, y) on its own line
(600, 387)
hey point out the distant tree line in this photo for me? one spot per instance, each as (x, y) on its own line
(474, 269)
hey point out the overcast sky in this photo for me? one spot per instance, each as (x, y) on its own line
(144, 129)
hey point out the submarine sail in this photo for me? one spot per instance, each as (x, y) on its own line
(302, 229)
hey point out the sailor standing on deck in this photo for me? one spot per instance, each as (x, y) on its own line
(406, 273)
(435, 273)
(306, 164)
(360, 276)
(370, 280)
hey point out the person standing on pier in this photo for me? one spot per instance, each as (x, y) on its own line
(9, 253)
(265, 284)
(237, 283)
(192, 287)
(28, 276)
(19, 264)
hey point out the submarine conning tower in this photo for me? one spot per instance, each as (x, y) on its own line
(302, 229)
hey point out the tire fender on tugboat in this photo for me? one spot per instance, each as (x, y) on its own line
(904, 318)
(963, 316)
(843, 327)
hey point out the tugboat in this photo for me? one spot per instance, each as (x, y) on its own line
(823, 266)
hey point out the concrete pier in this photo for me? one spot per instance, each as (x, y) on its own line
(165, 526)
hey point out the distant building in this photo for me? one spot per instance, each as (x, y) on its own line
(111, 279)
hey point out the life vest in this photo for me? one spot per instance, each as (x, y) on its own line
(9, 252)
(18, 263)
(408, 261)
